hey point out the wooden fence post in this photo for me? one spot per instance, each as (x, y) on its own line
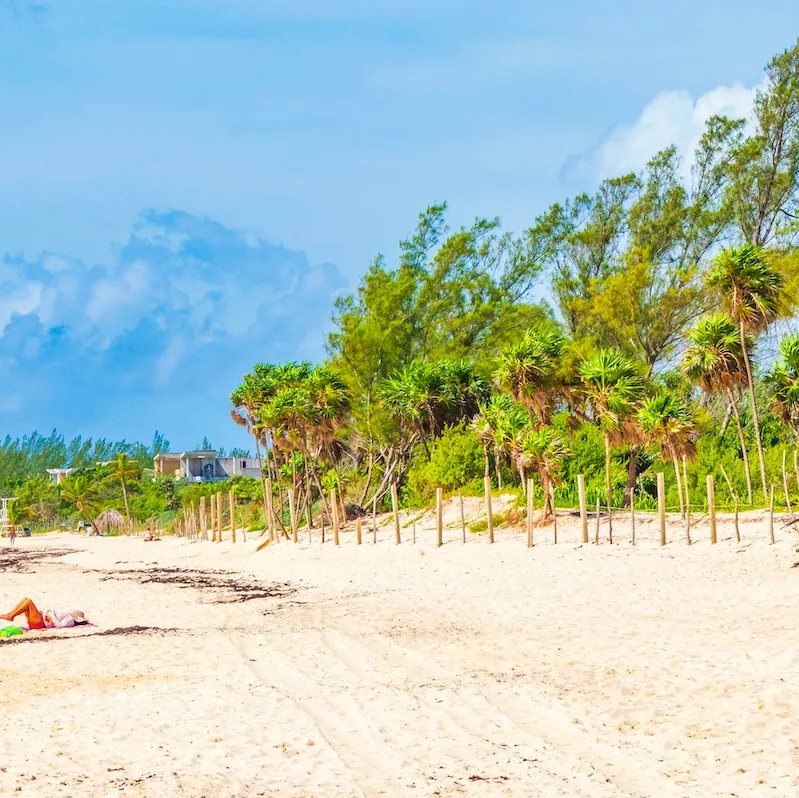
(487, 484)
(554, 514)
(219, 517)
(463, 520)
(530, 511)
(687, 502)
(358, 530)
(583, 507)
(771, 515)
(293, 515)
(734, 497)
(596, 531)
(334, 510)
(203, 519)
(439, 517)
(711, 507)
(632, 516)
(662, 506)
(232, 502)
(395, 511)
(374, 519)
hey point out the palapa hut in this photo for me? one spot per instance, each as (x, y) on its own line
(108, 520)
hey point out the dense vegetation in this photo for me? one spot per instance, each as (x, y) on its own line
(663, 343)
(670, 291)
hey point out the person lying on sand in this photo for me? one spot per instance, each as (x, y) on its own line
(47, 619)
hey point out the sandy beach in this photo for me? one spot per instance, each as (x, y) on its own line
(383, 670)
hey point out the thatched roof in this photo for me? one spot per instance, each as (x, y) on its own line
(109, 519)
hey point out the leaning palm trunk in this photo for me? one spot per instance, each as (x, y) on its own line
(125, 499)
(755, 418)
(744, 452)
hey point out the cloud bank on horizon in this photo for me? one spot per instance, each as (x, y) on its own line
(158, 338)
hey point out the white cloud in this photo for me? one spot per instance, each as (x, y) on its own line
(671, 118)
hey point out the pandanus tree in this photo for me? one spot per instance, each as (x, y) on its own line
(488, 425)
(612, 388)
(545, 450)
(124, 469)
(429, 395)
(752, 292)
(668, 422)
(248, 399)
(783, 382)
(529, 371)
(714, 360)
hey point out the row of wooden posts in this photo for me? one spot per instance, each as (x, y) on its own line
(205, 519)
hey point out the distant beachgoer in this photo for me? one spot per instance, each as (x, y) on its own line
(45, 619)
(12, 535)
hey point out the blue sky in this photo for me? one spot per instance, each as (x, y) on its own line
(186, 185)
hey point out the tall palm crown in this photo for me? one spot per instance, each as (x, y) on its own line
(750, 288)
(529, 370)
(714, 357)
(612, 386)
(783, 381)
(715, 360)
(668, 422)
(753, 293)
(430, 395)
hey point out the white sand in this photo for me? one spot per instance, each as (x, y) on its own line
(408, 670)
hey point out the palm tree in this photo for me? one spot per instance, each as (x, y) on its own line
(668, 423)
(529, 369)
(753, 294)
(489, 426)
(83, 493)
(714, 361)
(544, 450)
(124, 469)
(783, 380)
(413, 394)
(612, 386)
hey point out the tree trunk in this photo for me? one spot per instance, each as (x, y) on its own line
(498, 468)
(679, 485)
(263, 478)
(755, 418)
(726, 422)
(546, 487)
(125, 499)
(487, 460)
(744, 453)
(632, 476)
(608, 487)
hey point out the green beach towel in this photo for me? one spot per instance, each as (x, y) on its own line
(10, 631)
